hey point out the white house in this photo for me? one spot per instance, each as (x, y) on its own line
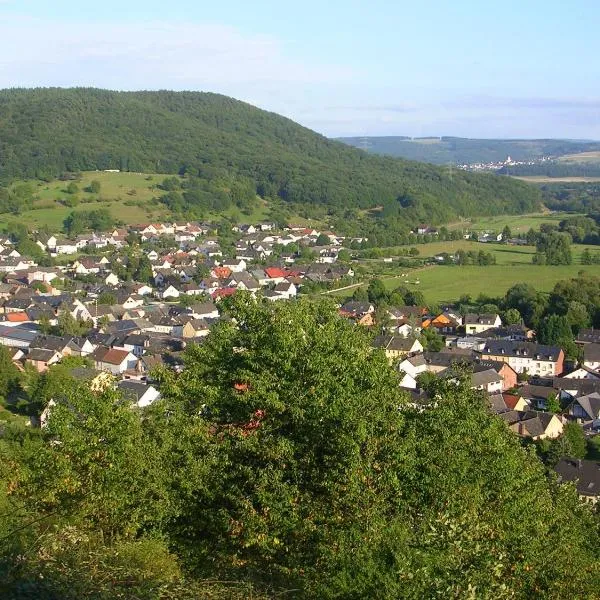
(114, 360)
(141, 393)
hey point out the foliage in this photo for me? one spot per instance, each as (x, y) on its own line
(432, 340)
(284, 456)
(553, 249)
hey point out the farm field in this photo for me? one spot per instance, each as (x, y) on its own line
(517, 223)
(505, 254)
(546, 179)
(581, 157)
(442, 284)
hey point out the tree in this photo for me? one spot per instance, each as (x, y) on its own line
(432, 340)
(45, 326)
(344, 255)
(323, 240)
(143, 273)
(297, 485)
(512, 317)
(577, 441)
(554, 248)
(106, 298)
(94, 187)
(553, 404)
(414, 298)
(376, 291)
(72, 188)
(506, 233)
(9, 374)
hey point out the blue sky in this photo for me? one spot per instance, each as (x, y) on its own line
(469, 68)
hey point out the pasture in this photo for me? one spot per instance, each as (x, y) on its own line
(446, 284)
(581, 157)
(517, 223)
(129, 197)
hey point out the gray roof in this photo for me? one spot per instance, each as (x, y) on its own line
(591, 352)
(586, 474)
(589, 336)
(485, 377)
(527, 349)
(591, 404)
(483, 319)
(135, 389)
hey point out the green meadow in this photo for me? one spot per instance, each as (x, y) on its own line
(129, 197)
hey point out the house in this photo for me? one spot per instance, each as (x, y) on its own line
(169, 292)
(286, 290)
(141, 393)
(591, 356)
(583, 373)
(526, 357)
(235, 265)
(204, 310)
(396, 347)
(533, 424)
(488, 380)
(113, 360)
(475, 324)
(95, 380)
(586, 410)
(111, 279)
(16, 337)
(410, 368)
(588, 336)
(65, 247)
(584, 473)
(42, 359)
(447, 322)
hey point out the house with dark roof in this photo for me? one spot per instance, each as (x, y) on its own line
(526, 357)
(533, 424)
(396, 347)
(591, 356)
(584, 473)
(586, 410)
(114, 360)
(140, 393)
(475, 324)
(588, 336)
(42, 359)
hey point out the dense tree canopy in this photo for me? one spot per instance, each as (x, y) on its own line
(285, 457)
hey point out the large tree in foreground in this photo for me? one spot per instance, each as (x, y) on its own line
(285, 457)
(327, 481)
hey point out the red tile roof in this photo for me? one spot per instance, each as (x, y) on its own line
(17, 317)
(274, 272)
(114, 356)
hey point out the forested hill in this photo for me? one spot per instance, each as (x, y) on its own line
(45, 132)
(454, 150)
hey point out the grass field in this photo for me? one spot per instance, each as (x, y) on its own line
(581, 157)
(129, 197)
(545, 179)
(517, 223)
(447, 283)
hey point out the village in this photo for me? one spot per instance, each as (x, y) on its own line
(126, 317)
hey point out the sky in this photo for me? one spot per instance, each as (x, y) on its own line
(512, 69)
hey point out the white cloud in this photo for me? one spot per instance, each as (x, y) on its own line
(149, 55)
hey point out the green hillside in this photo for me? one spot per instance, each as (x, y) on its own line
(234, 151)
